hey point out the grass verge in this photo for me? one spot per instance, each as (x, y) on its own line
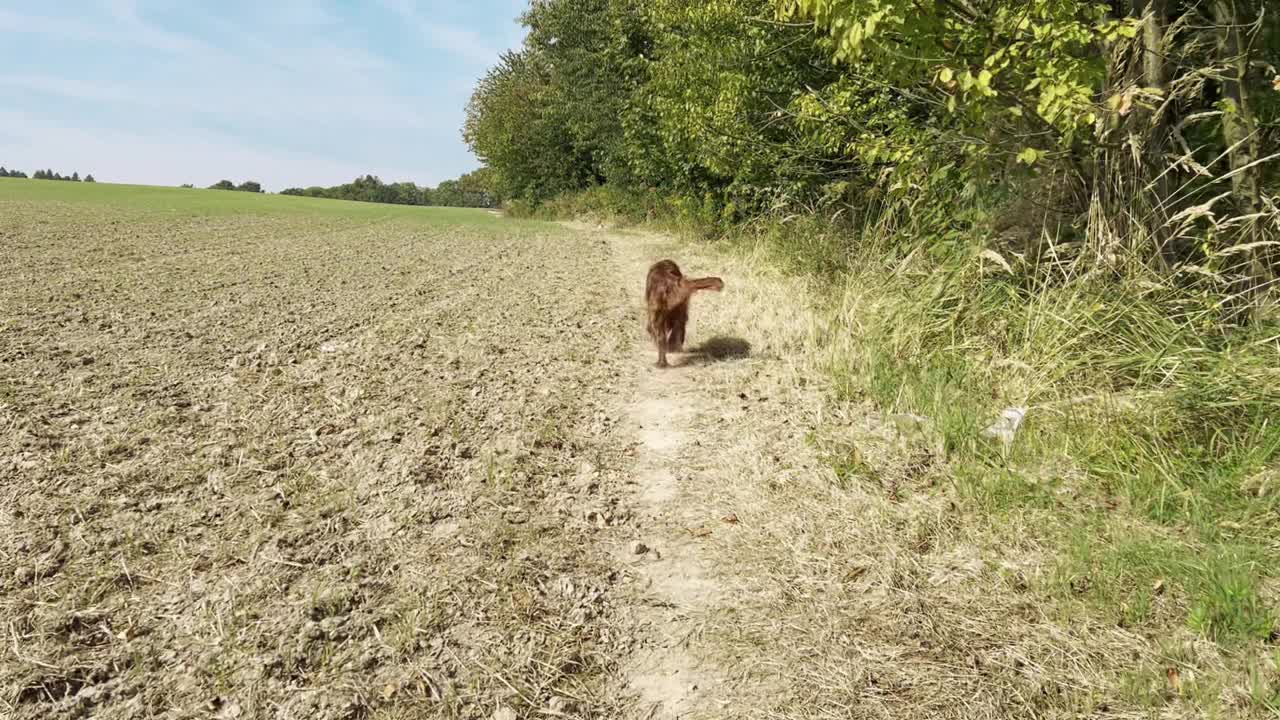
(1143, 473)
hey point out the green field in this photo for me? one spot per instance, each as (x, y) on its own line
(194, 201)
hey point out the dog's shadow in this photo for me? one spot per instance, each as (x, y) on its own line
(720, 348)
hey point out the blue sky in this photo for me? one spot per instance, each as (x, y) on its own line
(286, 92)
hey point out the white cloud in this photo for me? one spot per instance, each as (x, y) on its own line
(299, 13)
(236, 97)
(266, 81)
(460, 42)
(140, 32)
(72, 88)
(64, 29)
(171, 158)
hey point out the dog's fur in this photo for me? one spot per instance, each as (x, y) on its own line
(667, 294)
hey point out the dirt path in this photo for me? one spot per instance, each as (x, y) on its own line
(667, 416)
(687, 499)
(804, 562)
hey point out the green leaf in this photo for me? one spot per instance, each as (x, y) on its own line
(945, 75)
(1028, 156)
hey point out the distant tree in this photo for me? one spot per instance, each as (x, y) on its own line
(223, 185)
(89, 178)
(3, 172)
(75, 176)
(250, 186)
(479, 188)
(471, 190)
(183, 185)
(447, 194)
(406, 193)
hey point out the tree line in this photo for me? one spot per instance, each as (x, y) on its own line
(45, 175)
(470, 190)
(252, 186)
(1138, 132)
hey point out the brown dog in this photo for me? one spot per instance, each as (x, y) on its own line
(667, 294)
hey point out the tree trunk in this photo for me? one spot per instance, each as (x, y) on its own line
(1152, 129)
(1154, 14)
(1239, 131)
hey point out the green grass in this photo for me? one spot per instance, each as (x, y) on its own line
(186, 201)
(1141, 578)
(1132, 407)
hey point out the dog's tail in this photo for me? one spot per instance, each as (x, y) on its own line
(688, 287)
(706, 283)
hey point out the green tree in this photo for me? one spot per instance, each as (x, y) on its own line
(545, 120)
(478, 188)
(1134, 110)
(714, 116)
(406, 193)
(517, 126)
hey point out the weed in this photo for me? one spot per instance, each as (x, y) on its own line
(1227, 607)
